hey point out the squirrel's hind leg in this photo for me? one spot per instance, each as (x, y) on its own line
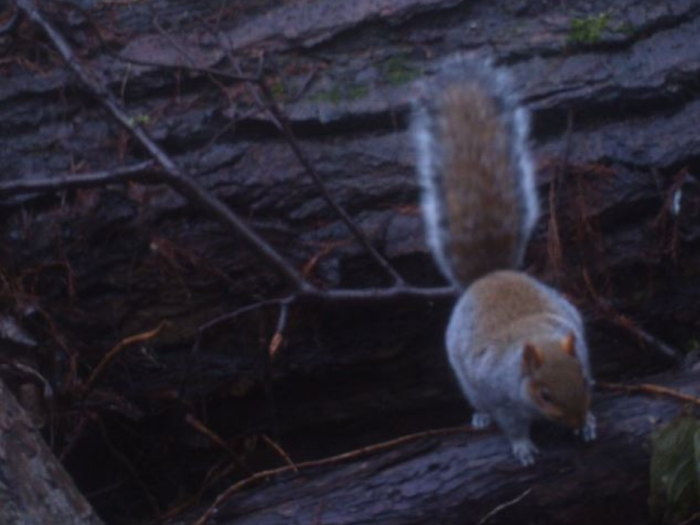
(481, 420)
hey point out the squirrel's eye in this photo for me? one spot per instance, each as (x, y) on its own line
(545, 395)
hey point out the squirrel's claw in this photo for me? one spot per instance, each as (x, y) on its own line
(525, 451)
(588, 430)
(481, 420)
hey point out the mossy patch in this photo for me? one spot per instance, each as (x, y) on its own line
(142, 119)
(278, 89)
(398, 70)
(589, 30)
(342, 93)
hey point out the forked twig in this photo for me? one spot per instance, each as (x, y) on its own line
(274, 446)
(278, 118)
(139, 338)
(217, 440)
(286, 129)
(172, 174)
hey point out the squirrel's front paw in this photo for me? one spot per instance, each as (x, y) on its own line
(481, 420)
(525, 451)
(588, 430)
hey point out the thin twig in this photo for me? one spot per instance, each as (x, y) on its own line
(138, 338)
(148, 63)
(230, 316)
(291, 139)
(240, 311)
(173, 42)
(281, 122)
(647, 388)
(172, 174)
(274, 446)
(611, 314)
(353, 454)
(121, 458)
(278, 337)
(143, 172)
(217, 440)
(180, 182)
(503, 506)
(29, 371)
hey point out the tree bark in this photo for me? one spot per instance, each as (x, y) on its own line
(35, 489)
(614, 103)
(462, 478)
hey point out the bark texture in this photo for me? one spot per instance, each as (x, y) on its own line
(34, 487)
(613, 92)
(465, 478)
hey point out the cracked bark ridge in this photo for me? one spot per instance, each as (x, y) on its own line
(461, 478)
(87, 268)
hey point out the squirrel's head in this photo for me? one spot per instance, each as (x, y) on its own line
(555, 382)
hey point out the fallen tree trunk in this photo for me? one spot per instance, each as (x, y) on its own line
(34, 487)
(472, 477)
(85, 271)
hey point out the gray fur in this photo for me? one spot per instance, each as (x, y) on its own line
(491, 378)
(493, 381)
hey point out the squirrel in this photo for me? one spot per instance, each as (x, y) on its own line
(516, 345)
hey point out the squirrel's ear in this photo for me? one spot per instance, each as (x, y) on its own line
(532, 358)
(568, 344)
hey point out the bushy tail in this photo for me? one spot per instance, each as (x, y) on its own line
(478, 192)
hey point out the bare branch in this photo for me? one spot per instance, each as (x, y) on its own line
(109, 356)
(172, 174)
(281, 121)
(217, 440)
(143, 172)
(612, 315)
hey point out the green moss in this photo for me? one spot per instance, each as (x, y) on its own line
(626, 29)
(357, 91)
(398, 70)
(588, 30)
(139, 119)
(340, 93)
(278, 90)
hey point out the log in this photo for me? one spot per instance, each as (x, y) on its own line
(471, 477)
(614, 112)
(35, 489)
